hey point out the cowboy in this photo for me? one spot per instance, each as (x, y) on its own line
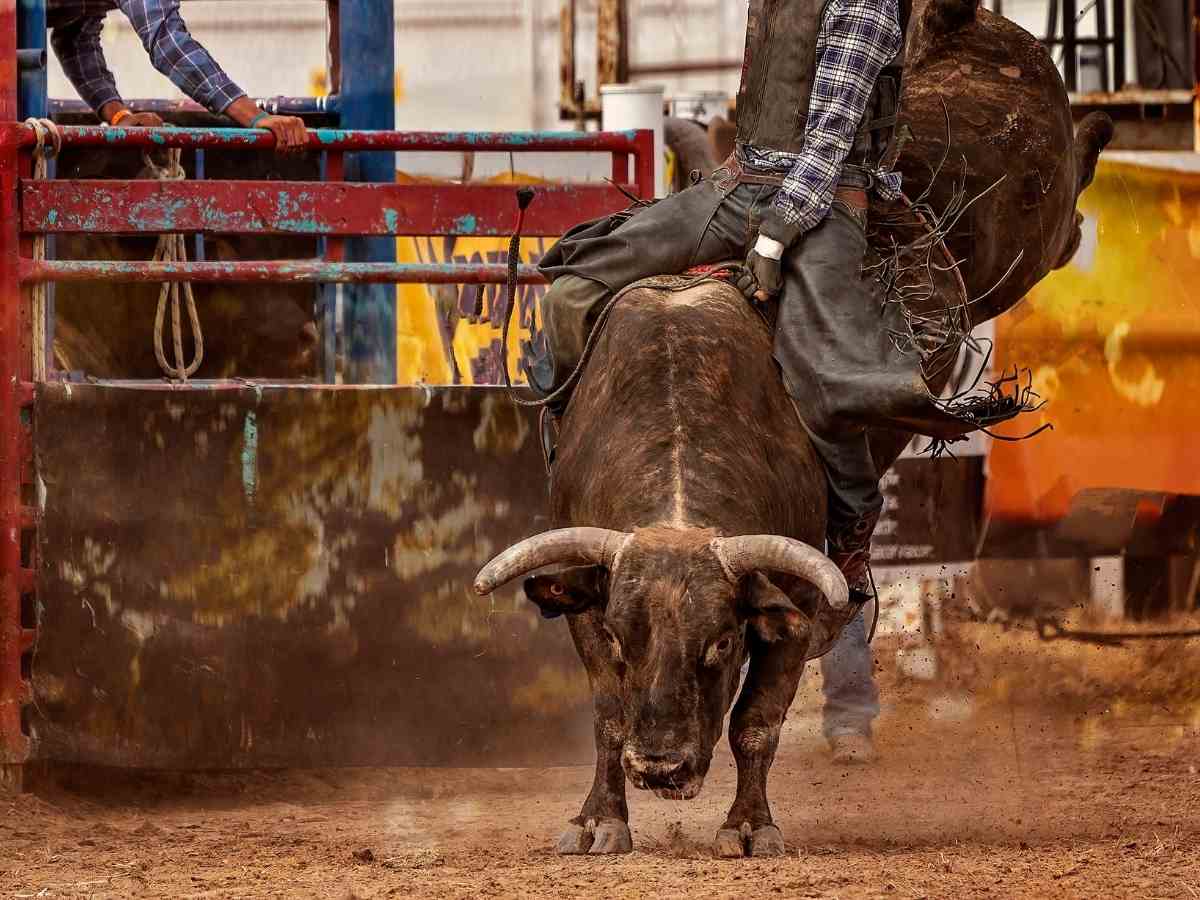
(813, 113)
(75, 35)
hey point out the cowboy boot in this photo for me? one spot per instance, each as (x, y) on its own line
(850, 549)
(540, 374)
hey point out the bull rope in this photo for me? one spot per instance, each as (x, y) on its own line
(172, 248)
(43, 152)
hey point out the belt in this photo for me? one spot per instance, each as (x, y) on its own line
(851, 196)
(732, 171)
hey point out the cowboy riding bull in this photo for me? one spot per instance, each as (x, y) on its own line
(704, 456)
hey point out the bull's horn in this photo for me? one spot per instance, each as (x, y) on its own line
(566, 545)
(772, 553)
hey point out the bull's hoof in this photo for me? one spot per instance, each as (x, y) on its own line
(597, 836)
(729, 844)
(766, 841)
(575, 841)
(610, 836)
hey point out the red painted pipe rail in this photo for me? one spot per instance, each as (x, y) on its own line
(306, 207)
(335, 139)
(307, 271)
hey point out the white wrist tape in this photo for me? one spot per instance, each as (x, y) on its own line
(768, 248)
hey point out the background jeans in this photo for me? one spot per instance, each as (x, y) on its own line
(851, 696)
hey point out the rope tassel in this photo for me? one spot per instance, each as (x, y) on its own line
(173, 248)
(49, 143)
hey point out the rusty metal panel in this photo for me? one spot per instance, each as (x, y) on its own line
(306, 208)
(274, 577)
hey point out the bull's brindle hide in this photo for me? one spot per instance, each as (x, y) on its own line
(680, 429)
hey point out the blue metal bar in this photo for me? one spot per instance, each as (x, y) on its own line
(327, 303)
(31, 59)
(31, 37)
(366, 41)
(32, 103)
(198, 254)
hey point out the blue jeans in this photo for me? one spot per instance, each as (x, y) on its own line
(848, 670)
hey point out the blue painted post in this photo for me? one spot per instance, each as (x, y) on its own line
(31, 35)
(326, 306)
(33, 102)
(366, 38)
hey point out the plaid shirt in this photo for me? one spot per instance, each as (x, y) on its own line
(76, 28)
(858, 38)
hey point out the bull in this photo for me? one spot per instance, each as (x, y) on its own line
(688, 499)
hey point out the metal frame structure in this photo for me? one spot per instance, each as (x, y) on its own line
(1064, 20)
(357, 209)
(1126, 103)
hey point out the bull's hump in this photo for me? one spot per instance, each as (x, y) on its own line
(681, 419)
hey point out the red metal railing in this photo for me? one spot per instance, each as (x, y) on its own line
(17, 520)
(331, 208)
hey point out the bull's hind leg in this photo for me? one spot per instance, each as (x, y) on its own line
(602, 825)
(754, 728)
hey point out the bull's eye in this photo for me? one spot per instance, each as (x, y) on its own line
(556, 589)
(718, 651)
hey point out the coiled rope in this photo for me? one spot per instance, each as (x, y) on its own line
(173, 248)
(49, 143)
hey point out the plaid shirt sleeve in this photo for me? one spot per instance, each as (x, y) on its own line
(178, 55)
(77, 47)
(858, 38)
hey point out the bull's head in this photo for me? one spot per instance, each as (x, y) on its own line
(674, 610)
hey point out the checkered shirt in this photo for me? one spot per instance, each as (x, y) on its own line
(858, 38)
(75, 37)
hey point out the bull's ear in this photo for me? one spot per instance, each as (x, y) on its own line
(569, 591)
(771, 614)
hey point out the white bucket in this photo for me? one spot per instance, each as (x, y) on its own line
(637, 106)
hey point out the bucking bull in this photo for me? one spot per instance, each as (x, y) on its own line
(688, 498)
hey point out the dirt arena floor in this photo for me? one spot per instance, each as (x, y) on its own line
(1022, 770)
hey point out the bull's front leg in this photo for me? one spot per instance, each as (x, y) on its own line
(754, 729)
(602, 825)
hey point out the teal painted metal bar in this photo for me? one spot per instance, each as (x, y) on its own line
(314, 271)
(340, 139)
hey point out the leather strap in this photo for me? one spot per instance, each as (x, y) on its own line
(854, 197)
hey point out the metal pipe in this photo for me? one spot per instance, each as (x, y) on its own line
(368, 71)
(15, 438)
(334, 139)
(31, 59)
(285, 106)
(306, 271)
(685, 67)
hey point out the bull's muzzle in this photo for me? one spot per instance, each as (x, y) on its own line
(669, 774)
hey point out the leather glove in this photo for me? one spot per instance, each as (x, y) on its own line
(762, 278)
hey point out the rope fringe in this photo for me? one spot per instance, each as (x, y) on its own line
(173, 248)
(49, 143)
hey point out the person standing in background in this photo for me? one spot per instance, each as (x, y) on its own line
(75, 27)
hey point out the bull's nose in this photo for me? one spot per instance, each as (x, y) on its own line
(653, 768)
